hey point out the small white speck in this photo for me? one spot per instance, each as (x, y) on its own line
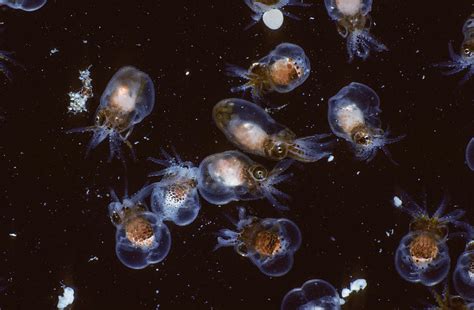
(93, 258)
(53, 51)
(13, 235)
(397, 202)
(187, 73)
(330, 158)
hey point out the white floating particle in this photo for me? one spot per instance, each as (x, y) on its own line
(358, 285)
(93, 258)
(53, 51)
(355, 286)
(330, 158)
(13, 235)
(389, 232)
(345, 292)
(187, 73)
(273, 19)
(66, 299)
(397, 202)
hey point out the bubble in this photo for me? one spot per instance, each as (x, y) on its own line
(273, 19)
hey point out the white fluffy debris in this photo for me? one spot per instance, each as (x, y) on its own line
(78, 100)
(355, 286)
(53, 51)
(66, 299)
(397, 202)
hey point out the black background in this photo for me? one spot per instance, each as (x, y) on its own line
(55, 200)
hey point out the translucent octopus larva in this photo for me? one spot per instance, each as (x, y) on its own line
(269, 243)
(465, 59)
(353, 23)
(128, 98)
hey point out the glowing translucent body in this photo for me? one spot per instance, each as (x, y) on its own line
(232, 176)
(175, 198)
(349, 7)
(25, 5)
(446, 301)
(269, 243)
(251, 129)
(470, 154)
(422, 255)
(463, 275)
(128, 98)
(124, 98)
(141, 238)
(465, 60)
(312, 295)
(353, 115)
(282, 70)
(353, 23)
(430, 267)
(273, 7)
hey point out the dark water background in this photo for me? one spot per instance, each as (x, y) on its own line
(55, 200)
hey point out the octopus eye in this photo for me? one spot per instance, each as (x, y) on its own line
(100, 119)
(242, 250)
(259, 173)
(115, 218)
(279, 150)
(362, 138)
